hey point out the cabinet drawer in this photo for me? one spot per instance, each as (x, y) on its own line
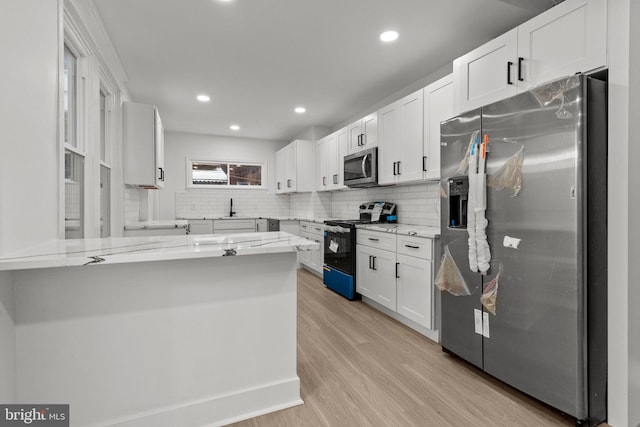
(386, 241)
(234, 224)
(316, 229)
(305, 227)
(419, 247)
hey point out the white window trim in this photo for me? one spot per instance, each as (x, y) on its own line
(191, 186)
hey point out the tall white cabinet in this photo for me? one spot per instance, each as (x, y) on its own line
(409, 134)
(295, 167)
(330, 152)
(568, 38)
(400, 140)
(438, 107)
(143, 146)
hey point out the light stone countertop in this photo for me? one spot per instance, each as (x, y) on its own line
(117, 250)
(157, 224)
(404, 229)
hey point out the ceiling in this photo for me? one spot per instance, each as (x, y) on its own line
(258, 59)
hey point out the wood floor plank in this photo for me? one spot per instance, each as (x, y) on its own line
(358, 367)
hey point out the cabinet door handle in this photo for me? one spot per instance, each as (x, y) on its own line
(324, 180)
(370, 261)
(359, 140)
(509, 64)
(520, 78)
(161, 174)
(278, 186)
(288, 183)
(398, 167)
(373, 239)
(335, 178)
(317, 228)
(424, 163)
(394, 168)
(364, 139)
(412, 247)
(397, 265)
(374, 262)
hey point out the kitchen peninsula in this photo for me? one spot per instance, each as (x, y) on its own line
(163, 331)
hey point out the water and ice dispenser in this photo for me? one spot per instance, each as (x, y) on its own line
(458, 201)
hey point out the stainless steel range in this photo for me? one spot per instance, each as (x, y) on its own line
(339, 269)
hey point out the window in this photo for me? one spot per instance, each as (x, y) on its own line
(105, 201)
(213, 174)
(70, 98)
(103, 126)
(73, 195)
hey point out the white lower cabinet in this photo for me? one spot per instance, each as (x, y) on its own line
(414, 299)
(376, 275)
(234, 226)
(312, 259)
(397, 273)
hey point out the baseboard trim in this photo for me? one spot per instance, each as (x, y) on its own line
(220, 410)
(433, 335)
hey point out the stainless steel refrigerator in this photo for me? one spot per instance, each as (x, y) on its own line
(546, 194)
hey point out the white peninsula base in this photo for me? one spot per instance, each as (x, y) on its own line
(183, 342)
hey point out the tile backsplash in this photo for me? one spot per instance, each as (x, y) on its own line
(418, 204)
(214, 203)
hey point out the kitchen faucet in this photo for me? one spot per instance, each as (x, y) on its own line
(231, 212)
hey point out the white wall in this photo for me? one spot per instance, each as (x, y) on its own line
(29, 173)
(624, 205)
(8, 339)
(198, 203)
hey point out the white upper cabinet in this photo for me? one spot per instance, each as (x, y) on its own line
(322, 162)
(400, 140)
(336, 164)
(387, 141)
(363, 133)
(410, 137)
(143, 146)
(330, 152)
(566, 39)
(295, 167)
(438, 107)
(486, 74)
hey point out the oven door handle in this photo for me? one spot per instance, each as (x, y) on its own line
(364, 162)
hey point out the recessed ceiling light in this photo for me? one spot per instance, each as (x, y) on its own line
(234, 127)
(300, 110)
(389, 36)
(203, 98)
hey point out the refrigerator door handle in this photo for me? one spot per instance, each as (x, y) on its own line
(509, 64)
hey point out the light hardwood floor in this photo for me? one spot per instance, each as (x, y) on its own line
(358, 367)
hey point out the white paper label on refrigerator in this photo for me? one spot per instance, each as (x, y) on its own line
(511, 242)
(485, 325)
(477, 315)
(333, 246)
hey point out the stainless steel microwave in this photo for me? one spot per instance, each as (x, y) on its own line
(361, 168)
